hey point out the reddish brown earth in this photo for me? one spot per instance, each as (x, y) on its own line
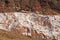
(17, 6)
(4, 35)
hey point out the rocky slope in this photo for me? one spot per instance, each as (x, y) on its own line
(32, 18)
(27, 5)
(31, 24)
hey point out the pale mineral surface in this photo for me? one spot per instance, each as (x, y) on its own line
(48, 25)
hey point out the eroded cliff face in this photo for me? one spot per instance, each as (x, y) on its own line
(46, 26)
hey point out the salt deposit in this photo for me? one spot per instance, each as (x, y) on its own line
(48, 25)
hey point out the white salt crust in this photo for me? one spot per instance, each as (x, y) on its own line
(32, 21)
